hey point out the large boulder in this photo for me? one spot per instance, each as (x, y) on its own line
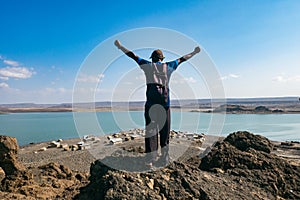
(244, 140)
(50, 181)
(16, 174)
(8, 156)
(244, 154)
(57, 171)
(168, 183)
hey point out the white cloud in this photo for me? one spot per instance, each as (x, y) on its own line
(230, 76)
(234, 76)
(55, 68)
(184, 80)
(127, 83)
(11, 63)
(278, 79)
(53, 91)
(90, 78)
(4, 85)
(61, 90)
(284, 79)
(49, 90)
(14, 69)
(16, 72)
(190, 80)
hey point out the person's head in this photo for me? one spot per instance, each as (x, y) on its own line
(157, 56)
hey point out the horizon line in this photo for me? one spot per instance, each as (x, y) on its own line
(137, 101)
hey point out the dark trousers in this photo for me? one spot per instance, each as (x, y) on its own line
(157, 120)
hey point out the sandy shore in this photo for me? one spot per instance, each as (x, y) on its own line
(80, 160)
(34, 155)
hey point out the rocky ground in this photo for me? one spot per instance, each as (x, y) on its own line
(242, 166)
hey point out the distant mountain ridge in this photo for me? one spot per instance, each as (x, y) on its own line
(174, 103)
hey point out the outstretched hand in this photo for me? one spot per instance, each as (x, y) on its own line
(197, 49)
(118, 43)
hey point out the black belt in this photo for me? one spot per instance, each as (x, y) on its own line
(156, 84)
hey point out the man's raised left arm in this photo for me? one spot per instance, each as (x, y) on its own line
(190, 55)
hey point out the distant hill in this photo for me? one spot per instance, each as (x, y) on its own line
(188, 103)
(27, 105)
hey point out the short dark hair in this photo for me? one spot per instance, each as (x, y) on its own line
(157, 54)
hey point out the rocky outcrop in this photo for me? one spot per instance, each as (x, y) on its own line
(56, 171)
(240, 167)
(248, 109)
(262, 109)
(51, 181)
(8, 156)
(246, 155)
(16, 174)
(230, 108)
(177, 181)
(244, 140)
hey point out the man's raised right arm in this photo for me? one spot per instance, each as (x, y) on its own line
(126, 51)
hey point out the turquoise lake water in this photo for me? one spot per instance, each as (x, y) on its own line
(38, 127)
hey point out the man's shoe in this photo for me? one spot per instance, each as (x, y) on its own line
(151, 158)
(164, 159)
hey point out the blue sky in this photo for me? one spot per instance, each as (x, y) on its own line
(255, 45)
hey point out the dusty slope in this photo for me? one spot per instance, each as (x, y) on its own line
(243, 166)
(240, 167)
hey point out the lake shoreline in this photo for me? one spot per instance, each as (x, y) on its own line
(245, 110)
(35, 154)
(38, 127)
